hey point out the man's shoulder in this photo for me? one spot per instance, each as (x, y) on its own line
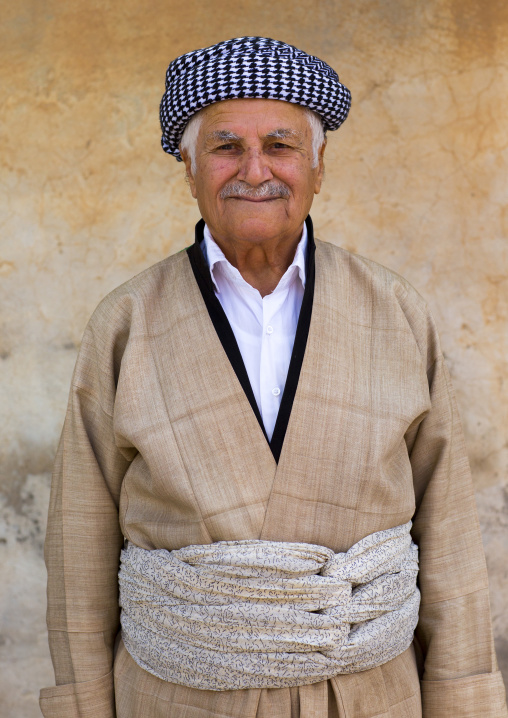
(159, 282)
(369, 276)
(151, 278)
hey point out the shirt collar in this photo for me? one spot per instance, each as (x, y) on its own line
(214, 256)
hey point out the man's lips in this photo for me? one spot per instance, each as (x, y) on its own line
(254, 199)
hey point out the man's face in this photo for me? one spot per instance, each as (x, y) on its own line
(254, 180)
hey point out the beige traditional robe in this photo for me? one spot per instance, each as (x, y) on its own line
(161, 446)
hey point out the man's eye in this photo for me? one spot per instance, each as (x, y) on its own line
(227, 146)
(280, 146)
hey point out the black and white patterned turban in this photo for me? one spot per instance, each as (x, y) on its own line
(248, 67)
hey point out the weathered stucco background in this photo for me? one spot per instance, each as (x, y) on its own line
(416, 179)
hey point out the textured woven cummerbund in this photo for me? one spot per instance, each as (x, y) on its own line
(264, 614)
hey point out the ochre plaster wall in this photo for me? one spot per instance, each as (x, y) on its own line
(416, 179)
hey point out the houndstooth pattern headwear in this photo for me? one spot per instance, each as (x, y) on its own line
(248, 67)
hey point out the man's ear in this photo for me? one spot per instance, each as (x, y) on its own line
(320, 169)
(188, 171)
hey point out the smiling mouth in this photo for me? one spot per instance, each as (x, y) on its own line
(254, 199)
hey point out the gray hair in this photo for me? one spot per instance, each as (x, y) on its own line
(190, 135)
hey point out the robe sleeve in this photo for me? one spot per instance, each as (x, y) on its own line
(454, 634)
(84, 539)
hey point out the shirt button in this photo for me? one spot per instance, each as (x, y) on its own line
(276, 391)
(269, 329)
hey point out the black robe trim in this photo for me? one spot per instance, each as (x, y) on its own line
(230, 346)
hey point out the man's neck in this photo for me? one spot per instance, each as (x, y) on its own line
(261, 265)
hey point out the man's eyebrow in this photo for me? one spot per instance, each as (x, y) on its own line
(222, 136)
(283, 133)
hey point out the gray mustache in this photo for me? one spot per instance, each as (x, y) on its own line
(267, 189)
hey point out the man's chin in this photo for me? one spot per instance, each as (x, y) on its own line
(244, 210)
(259, 226)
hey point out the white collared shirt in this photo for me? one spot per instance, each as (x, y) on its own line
(264, 327)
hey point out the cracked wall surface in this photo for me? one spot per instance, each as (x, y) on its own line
(416, 179)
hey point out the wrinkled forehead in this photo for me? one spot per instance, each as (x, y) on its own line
(233, 119)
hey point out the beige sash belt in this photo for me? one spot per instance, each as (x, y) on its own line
(263, 614)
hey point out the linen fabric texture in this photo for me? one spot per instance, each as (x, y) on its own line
(161, 446)
(248, 67)
(265, 614)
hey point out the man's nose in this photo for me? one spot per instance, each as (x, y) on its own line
(254, 167)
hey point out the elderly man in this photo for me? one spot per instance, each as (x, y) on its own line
(265, 423)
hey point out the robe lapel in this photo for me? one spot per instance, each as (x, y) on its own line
(306, 485)
(227, 458)
(220, 321)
